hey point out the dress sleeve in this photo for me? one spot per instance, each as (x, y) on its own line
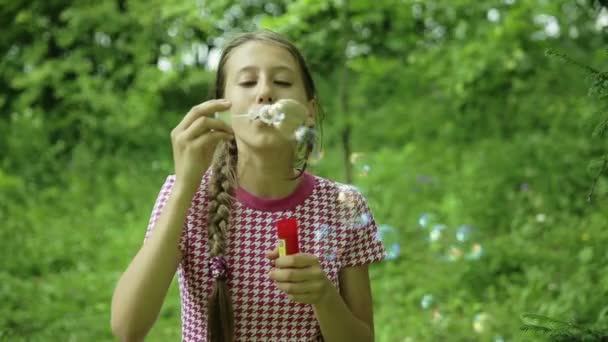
(364, 246)
(159, 204)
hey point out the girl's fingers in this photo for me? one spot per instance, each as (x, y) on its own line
(204, 109)
(272, 255)
(298, 288)
(303, 298)
(295, 275)
(204, 125)
(210, 138)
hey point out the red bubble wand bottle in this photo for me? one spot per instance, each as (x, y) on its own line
(287, 231)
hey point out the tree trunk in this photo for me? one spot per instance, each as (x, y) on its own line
(343, 96)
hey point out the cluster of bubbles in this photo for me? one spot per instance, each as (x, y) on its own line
(456, 246)
(480, 323)
(357, 219)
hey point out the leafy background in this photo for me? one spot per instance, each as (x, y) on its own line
(474, 148)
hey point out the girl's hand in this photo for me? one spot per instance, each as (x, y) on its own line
(300, 276)
(194, 141)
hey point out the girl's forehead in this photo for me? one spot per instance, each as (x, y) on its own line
(260, 55)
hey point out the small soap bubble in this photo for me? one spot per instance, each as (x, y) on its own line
(301, 133)
(224, 116)
(476, 252)
(365, 170)
(426, 220)
(390, 239)
(427, 301)
(316, 156)
(436, 232)
(356, 157)
(437, 317)
(463, 232)
(279, 117)
(393, 251)
(304, 134)
(425, 179)
(322, 233)
(455, 253)
(332, 255)
(363, 220)
(480, 322)
(540, 218)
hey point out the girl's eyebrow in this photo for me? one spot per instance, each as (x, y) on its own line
(275, 68)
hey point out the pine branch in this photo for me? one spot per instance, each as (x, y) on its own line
(567, 59)
(603, 169)
(602, 129)
(599, 90)
(559, 330)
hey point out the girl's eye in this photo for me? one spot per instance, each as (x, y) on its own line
(248, 84)
(283, 84)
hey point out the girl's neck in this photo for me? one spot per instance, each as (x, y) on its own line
(267, 178)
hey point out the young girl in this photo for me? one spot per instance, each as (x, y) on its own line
(214, 221)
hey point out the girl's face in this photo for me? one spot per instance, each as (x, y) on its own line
(259, 73)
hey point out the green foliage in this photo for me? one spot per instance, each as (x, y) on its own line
(455, 118)
(560, 331)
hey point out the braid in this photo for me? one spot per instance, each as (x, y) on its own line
(220, 316)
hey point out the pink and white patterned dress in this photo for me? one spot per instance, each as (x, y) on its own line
(335, 223)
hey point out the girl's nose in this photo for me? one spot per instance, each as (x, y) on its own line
(265, 99)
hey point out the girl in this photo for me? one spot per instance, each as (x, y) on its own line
(214, 221)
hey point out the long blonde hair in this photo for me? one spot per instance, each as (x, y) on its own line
(220, 315)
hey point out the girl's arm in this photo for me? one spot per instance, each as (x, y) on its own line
(348, 317)
(142, 288)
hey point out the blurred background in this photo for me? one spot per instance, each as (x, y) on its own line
(474, 129)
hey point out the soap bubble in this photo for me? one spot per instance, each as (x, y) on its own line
(390, 239)
(301, 133)
(436, 232)
(304, 134)
(363, 220)
(316, 156)
(427, 301)
(541, 218)
(425, 179)
(332, 254)
(224, 116)
(476, 252)
(480, 322)
(393, 251)
(278, 118)
(463, 233)
(455, 253)
(426, 220)
(355, 157)
(365, 170)
(437, 317)
(358, 159)
(322, 233)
